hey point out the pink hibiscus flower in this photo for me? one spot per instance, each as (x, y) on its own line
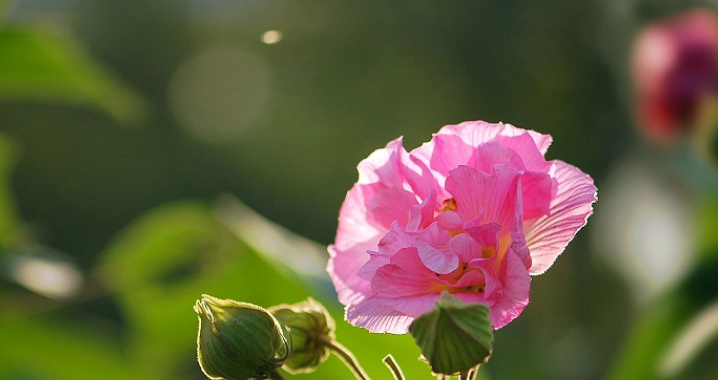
(475, 212)
(675, 68)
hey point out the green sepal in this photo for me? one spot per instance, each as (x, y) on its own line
(311, 329)
(455, 337)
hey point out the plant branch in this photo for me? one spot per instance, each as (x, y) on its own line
(348, 358)
(393, 367)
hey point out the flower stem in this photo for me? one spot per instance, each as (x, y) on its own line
(395, 370)
(348, 358)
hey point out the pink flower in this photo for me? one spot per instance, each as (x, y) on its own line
(675, 66)
(475, 212)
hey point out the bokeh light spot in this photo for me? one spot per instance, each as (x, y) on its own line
(49, 278)
(271, 37)
(218, 94)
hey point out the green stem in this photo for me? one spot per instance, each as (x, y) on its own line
(395, 370)
(348, 358)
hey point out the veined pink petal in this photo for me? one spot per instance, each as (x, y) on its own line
(404, 276)
(343, 267)
(547, 236)
(537, 190)
(440, 260)
(486, 235)
(354, 228)
(525, 147)
(392, 205)
(377, 317)
(474, 190)
(518, 240)
(516, 283)
(376, 261)
(466, 248)
(452, 221)
(488, 155)
(385, 165)
(422, 215)
(413, 306)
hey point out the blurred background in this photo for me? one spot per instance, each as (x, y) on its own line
(155, 150)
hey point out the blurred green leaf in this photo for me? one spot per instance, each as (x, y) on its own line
(652, 332)
(44, 67)
(40, 349)
(8, 214)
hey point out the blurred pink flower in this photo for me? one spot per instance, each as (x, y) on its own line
(674, 68)
(474, 212)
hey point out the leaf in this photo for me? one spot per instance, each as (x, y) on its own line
(454, 337)
(9, 221)
(43, 67)
(35, 348)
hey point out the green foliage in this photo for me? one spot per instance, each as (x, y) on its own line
(46, 348)
(454, 337)
(8, 215)
(39, 66)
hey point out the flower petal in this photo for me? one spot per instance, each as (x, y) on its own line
(404, 276)
(392, 205)
(354, 228)
(377, 317)
(440, 261)
(475, 191)
(548, 235)
(343, 267)
(516, 283)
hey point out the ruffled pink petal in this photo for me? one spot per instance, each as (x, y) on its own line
(404, 276)
(486, 235)
(377, 317)
(465, 248)
(475, 133)
(422, 215)
(451, 220)
(516, 283)
(394, 240)
(525, 147)
(343, 267)
(437, 259)
(392, 205)
(385, 165)
(449, 151)
(518, 240)
(488, 155)
(547, 236)
(542, 141)
(474, 191)
(537, 190)
(354, 228)
(375, 262)
(413, 306)
(433, 248)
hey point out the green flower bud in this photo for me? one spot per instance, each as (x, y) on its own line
(311, 329)
(238, 341)
(455, 337)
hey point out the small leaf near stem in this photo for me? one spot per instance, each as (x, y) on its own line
(393, 367)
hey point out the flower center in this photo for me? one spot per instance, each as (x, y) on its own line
(454, 278)
(448, 205)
